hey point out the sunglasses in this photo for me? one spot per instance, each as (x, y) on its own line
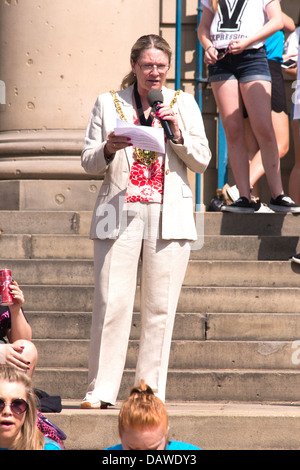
(17, 406)
(221, 55)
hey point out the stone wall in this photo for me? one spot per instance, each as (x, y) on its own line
(58, 55)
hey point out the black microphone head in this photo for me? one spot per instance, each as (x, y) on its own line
(155, 96)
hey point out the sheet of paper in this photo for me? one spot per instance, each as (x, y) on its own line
(143, 137)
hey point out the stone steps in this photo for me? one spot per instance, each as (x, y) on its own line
(216, 247)
(233, 379)
(185, 385)
(211, 273)
(45, 222)
(192, 299)
(185, 354)
(209, 425)
(45, 247)
(78, 222)
(260, 225)
(188, 326)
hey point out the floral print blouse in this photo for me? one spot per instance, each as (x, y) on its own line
(146, 184)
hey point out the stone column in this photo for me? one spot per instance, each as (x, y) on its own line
(56, 56)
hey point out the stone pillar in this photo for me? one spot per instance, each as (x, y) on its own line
(56, 57)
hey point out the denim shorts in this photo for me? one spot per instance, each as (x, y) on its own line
(250, 65)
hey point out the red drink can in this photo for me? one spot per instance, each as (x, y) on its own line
(5, 281)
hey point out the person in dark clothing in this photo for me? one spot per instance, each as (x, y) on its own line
(16, 347)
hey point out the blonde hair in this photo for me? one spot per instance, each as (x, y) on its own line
(148, 41)
(30, 437)
(142, 409)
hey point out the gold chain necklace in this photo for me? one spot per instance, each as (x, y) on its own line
(147, 157)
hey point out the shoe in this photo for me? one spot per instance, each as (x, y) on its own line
(296, 258)
(285, 204)
(232, 192)
(261, 207)
(215, 205)
(265, 209)
(240, 205)
(89, 404)
(104, 405)
(222, 194)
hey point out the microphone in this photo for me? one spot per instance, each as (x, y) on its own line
(155, 97)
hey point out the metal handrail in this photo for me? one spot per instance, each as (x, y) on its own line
(178, 46)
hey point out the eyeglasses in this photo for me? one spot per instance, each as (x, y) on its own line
(161, 68)
(17, 406)
(221, 55)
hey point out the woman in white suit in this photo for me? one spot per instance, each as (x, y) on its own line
(144, 212)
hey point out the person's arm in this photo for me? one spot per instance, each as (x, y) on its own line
(291, 72)
(210, 53)
(274, 24)
(288, 24)
(290, 52)
(20, 328)
(101, 144)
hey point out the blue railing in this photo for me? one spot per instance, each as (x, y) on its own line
(178, 46)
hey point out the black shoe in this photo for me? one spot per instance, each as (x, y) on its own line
(104, 405)
(242, 204)
(215, 205)
(296, 258)
(285, 204)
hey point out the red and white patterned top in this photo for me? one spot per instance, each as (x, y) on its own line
(146, 183)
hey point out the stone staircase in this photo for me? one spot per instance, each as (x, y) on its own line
(234, 372)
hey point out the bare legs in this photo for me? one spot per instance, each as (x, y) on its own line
(294, 181)
(21, 354)
(256, 96)
(228, 99)
(281, 128)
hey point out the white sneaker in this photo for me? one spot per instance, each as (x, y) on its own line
(264, 208)
(296, 258)
(233, 192)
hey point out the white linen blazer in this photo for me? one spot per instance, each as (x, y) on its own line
(177, 207)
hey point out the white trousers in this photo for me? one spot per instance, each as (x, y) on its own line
(164, 264)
